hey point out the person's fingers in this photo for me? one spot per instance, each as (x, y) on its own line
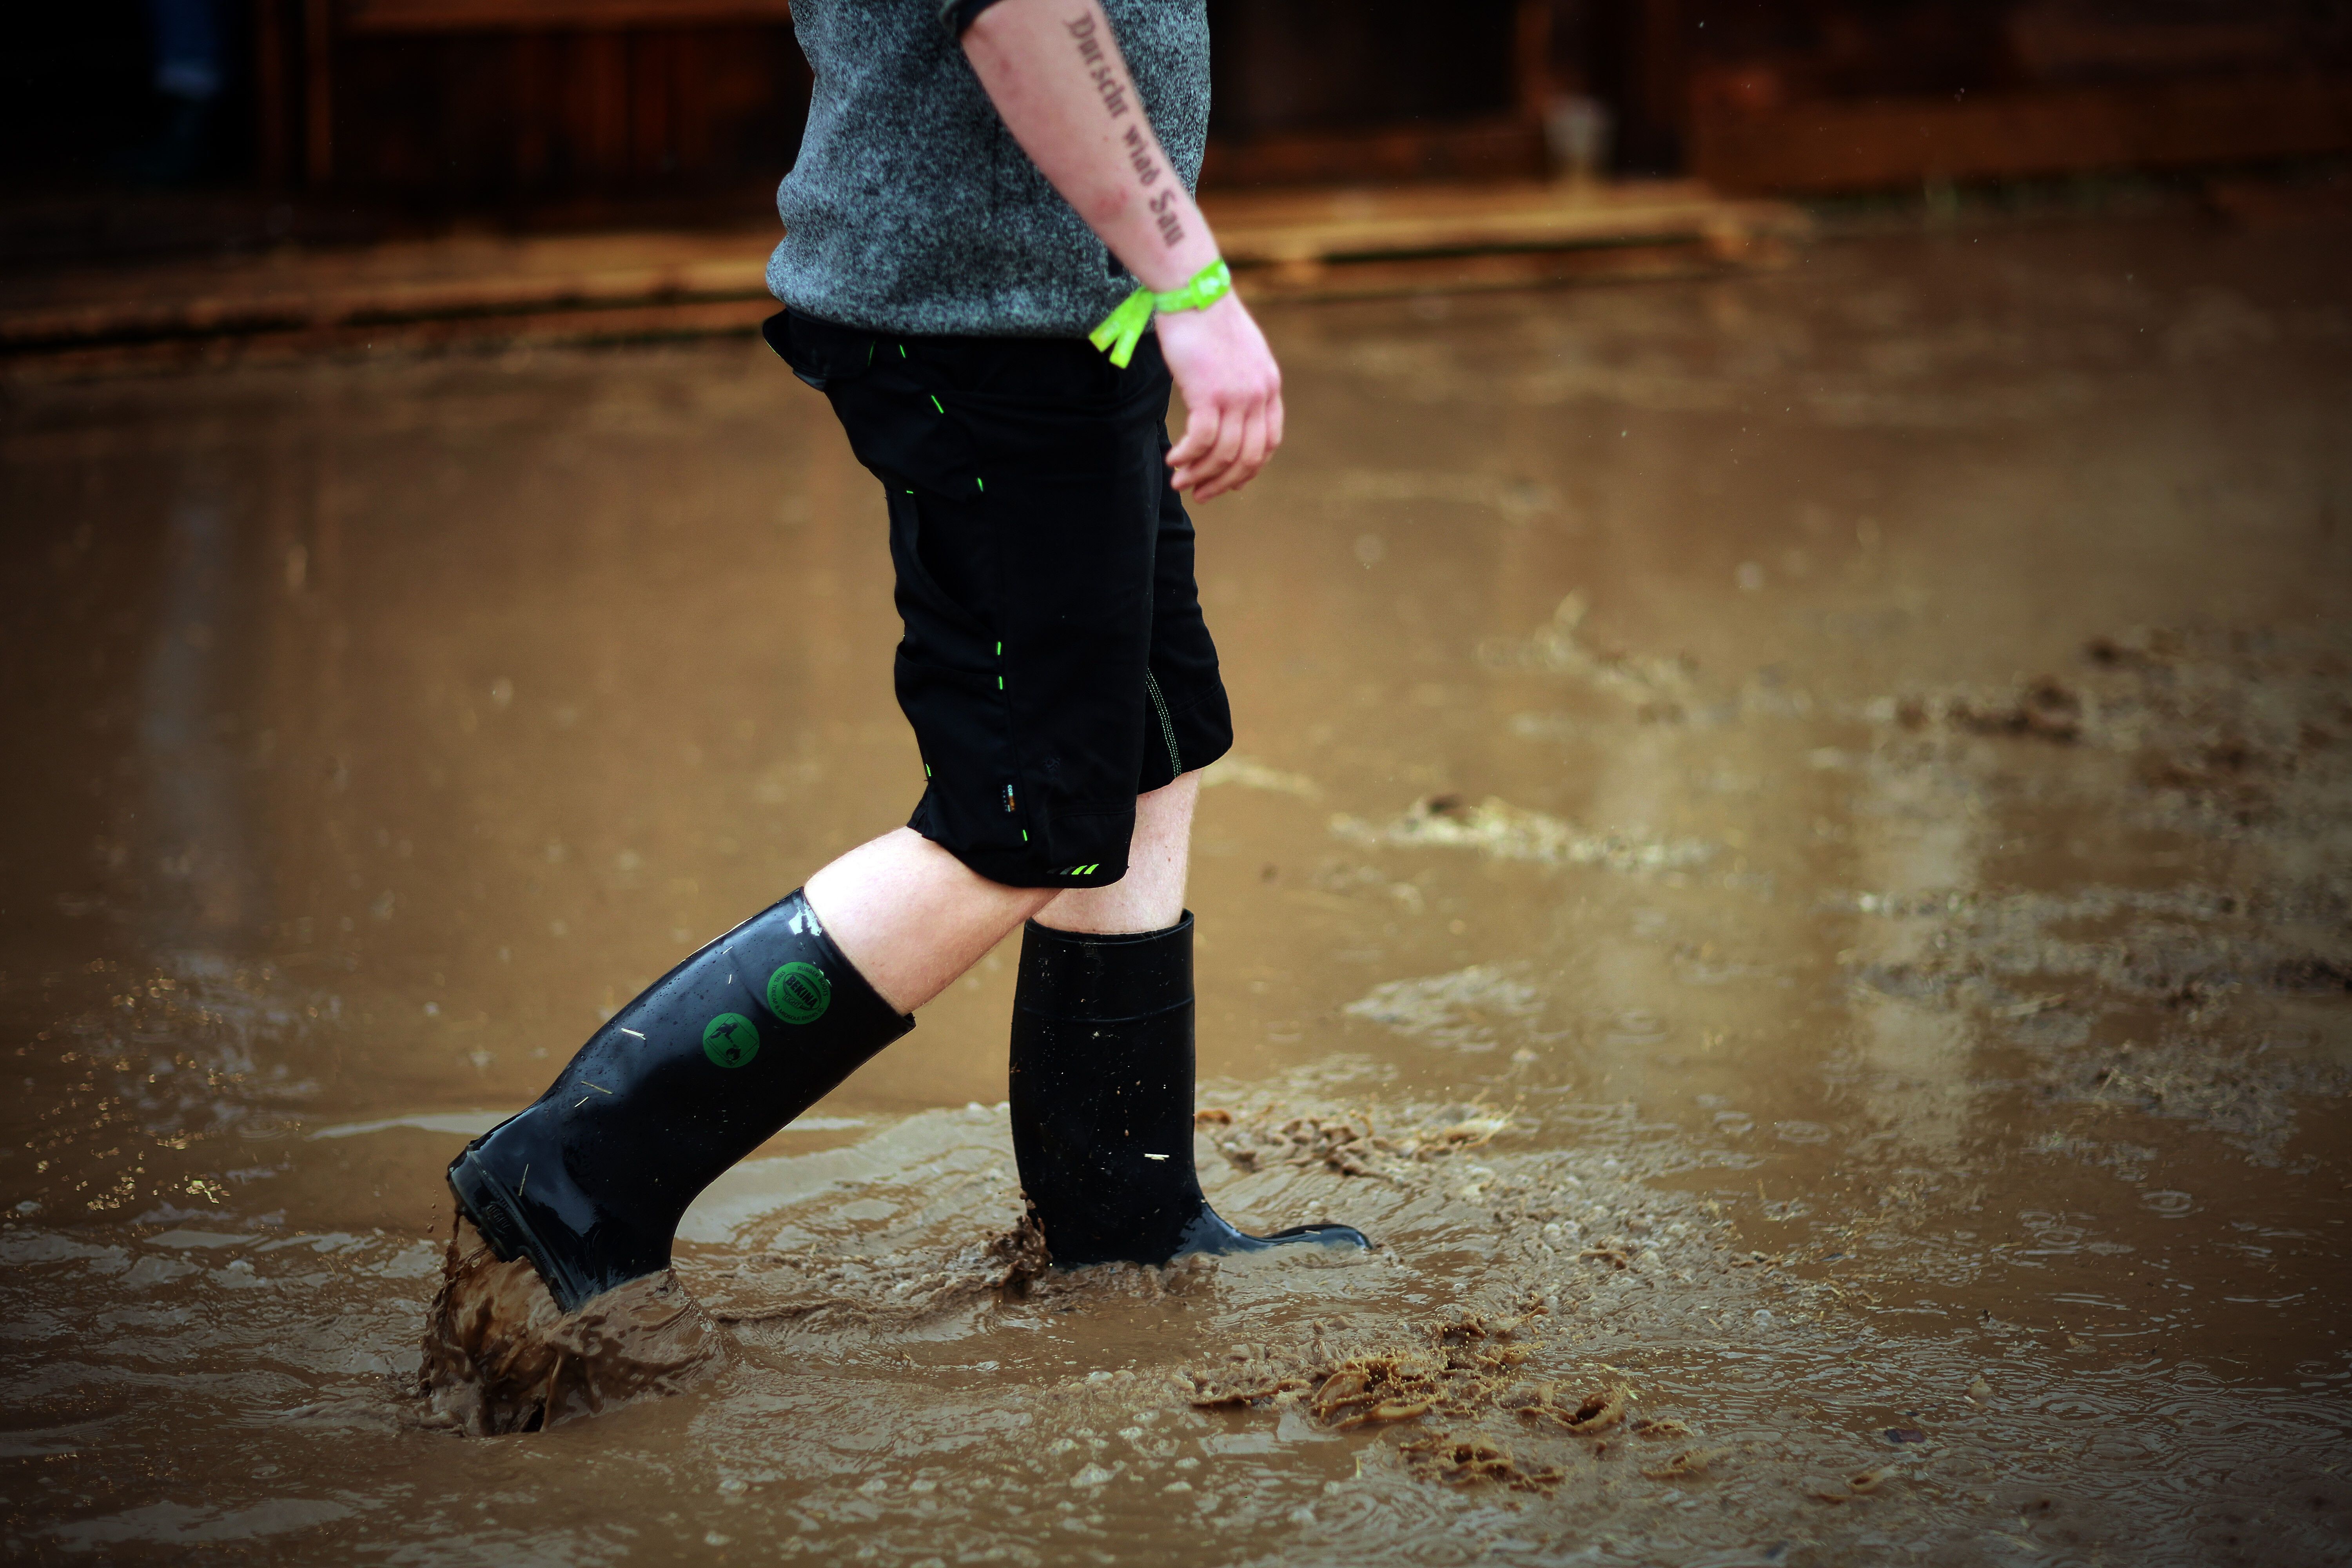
(1218, 427)
(1247, 460)
(1231, 426)
(1273, 420)
(1212, 475)
(1200, 435)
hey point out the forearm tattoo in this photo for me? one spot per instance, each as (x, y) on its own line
(1140, 153)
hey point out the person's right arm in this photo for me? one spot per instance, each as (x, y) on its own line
(1056, 74)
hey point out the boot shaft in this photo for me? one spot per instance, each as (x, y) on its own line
(713, 1058)
(1101, 1091)
(701, 1068)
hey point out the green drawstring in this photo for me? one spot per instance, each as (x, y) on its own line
(1123, 327)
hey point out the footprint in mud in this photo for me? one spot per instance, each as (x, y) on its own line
(500, 1356)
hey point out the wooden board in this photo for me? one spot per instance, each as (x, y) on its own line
(1282, 228)
(1635, 262)
(400, 281)
(1306, 243)
(384, 17)
(1824, 147)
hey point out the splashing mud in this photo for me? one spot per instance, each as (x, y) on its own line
(500, 1356)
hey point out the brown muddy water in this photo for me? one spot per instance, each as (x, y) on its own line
(1790, 859)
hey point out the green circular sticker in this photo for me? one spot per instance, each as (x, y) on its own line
(799, 993)
(730, 1039)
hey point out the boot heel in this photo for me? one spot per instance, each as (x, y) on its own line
(485, 1200)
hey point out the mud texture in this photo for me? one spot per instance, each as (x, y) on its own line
(501, 1356)
(1786, 863)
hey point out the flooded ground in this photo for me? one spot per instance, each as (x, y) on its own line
(1788, 860)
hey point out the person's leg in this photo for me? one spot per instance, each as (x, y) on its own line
(589, 1183)
(1102, 1060)
(912, 917)
(1150, 896)
(1028, 603)
(1102, 1079)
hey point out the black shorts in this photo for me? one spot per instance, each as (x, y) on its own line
(1054, 664)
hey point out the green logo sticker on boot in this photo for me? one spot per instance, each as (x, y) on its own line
(799, 993)
(730, 1039)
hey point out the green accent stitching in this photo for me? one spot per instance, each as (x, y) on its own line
(937, 403)
(1167, 727)
(799, 993)
(730, 1039)
(981, 483)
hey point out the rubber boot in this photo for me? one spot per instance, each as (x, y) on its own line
(1102, 1102)
(590, 1181)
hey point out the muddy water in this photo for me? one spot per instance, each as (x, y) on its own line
(1788, 860)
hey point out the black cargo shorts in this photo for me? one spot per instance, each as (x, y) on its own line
(1055, 663)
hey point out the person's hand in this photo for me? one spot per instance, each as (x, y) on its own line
(1233, 397)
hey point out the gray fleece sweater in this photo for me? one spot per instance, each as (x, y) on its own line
(911, 208)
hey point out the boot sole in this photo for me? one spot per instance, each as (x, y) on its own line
(1210, 1235)
(1331, 1238)
(498, 1215)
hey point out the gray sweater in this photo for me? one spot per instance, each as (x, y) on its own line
(912, 209)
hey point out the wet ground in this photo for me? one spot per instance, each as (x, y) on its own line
(1791, 858)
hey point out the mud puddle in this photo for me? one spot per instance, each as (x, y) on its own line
(1786, 863)
(501, 1357)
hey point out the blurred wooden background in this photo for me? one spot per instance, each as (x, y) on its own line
(579, 113)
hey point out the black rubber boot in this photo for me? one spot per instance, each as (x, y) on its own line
(1102, 1102)
(590, 1181)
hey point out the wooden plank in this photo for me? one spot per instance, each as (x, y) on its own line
(1319, 245)
(652, 147)
(273, 128)
(387, 284)
(650, 323)
(319, 91)
(381, 17)
(535, 107)
(1630, 263)
(602, 62)
(1531, 83)
(1893, 142)
(1272, 228)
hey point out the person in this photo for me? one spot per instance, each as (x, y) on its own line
(993, 268)
(185, 38)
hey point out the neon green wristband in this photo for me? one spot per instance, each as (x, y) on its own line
(1123, 327)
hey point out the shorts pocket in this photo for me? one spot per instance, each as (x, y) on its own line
(937, 606)
(975, 799)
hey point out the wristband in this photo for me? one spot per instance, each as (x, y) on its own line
(1123, 327)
